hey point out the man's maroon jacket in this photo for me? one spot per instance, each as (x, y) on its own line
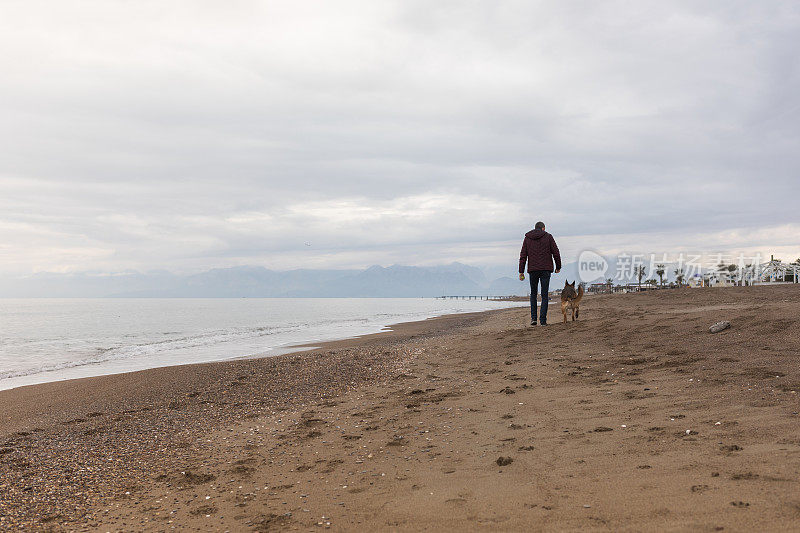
(539, 249)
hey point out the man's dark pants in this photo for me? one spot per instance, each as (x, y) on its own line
(537, 276)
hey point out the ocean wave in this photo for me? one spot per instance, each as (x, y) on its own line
(155, 347)
(167, 346)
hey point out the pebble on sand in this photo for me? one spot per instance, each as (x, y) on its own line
(719, 326)
(503, 461)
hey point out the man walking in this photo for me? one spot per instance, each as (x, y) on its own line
(539, 249)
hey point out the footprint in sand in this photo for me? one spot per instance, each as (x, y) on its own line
(271, 522)
(330, 466)
(747, 476)
(309, 420)
(203, 510)
(241, 467)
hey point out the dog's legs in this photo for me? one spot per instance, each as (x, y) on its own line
(577, 310)
(564, 312)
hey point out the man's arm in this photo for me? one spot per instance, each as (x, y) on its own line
(556, 253)
(523, 258)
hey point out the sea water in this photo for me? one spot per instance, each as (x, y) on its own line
(44, 340)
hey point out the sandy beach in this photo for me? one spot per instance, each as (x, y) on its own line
(634, 418)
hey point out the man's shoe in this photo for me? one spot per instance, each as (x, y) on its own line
(544, 323)
(533, 322)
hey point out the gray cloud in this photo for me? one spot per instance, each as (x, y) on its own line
(196, 135)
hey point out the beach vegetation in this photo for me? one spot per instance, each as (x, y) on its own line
(640, 272)
(679, 276)
(660, 270)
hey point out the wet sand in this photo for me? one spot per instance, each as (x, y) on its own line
(633, 418)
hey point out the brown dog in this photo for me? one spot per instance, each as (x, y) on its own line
(571, 300)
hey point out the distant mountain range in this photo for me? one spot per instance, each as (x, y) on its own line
(259, 282)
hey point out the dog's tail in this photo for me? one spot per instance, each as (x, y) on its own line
(580, 294)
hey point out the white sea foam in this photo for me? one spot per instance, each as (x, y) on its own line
(49, 340)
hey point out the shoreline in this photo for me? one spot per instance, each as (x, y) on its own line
(82, 390)
(471, 421)
(132, 418)
(281, 349)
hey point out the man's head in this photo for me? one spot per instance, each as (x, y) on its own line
(539, 225)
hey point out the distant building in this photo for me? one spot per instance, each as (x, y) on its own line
(645, 286)
(775, 271)
(696, 281)
(771, 272)
(600, 288)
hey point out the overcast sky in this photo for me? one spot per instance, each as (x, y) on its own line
(191, 135)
